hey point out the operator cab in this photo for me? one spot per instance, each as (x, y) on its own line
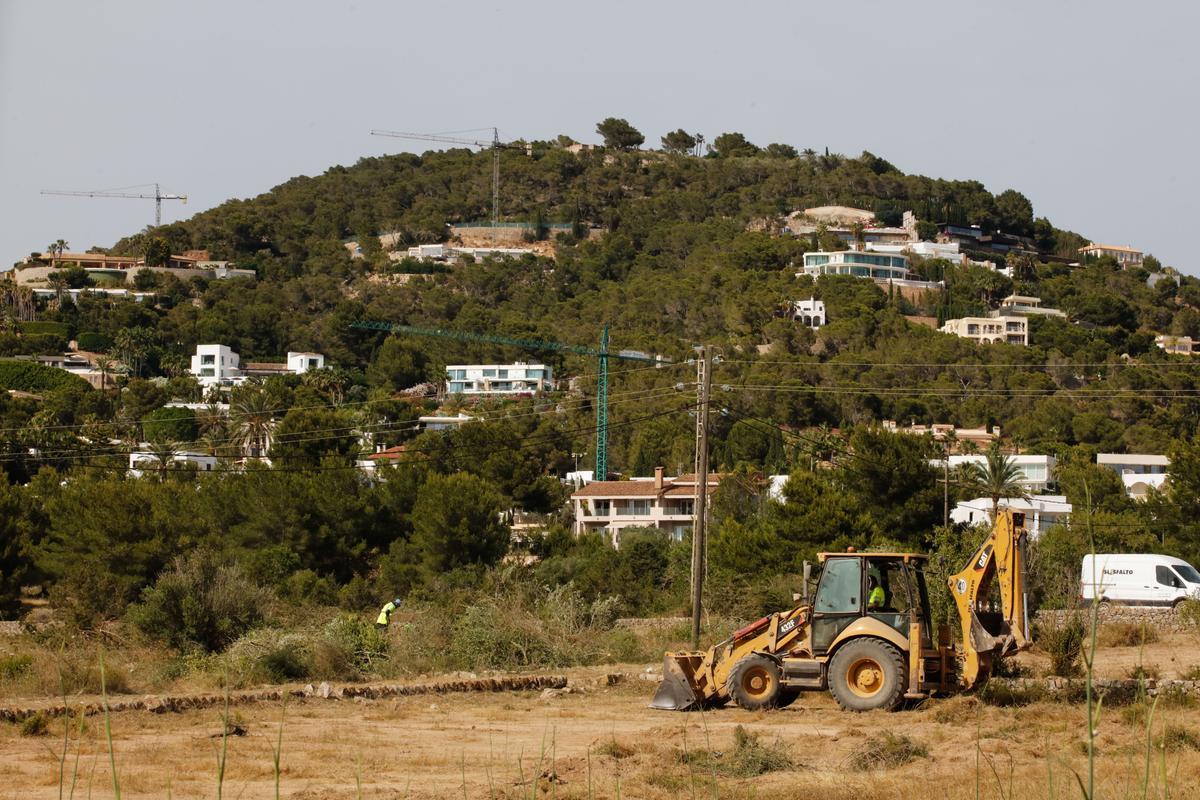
(889, 587)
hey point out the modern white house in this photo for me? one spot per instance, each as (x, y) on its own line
(1041, 512)
(1125, 256)
(859, 263)
(810, 312)
(441, 423)
(990, 330)
(141, 461)
(218, 365)
(300, 363)
(608, 507)
(1036, 471)
(215, 364)
(1024, 305)
(1177, 345)
(1140, 472)
(485, 380)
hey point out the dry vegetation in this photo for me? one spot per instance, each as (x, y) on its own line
(603, 742)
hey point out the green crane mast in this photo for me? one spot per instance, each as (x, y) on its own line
(602, 355)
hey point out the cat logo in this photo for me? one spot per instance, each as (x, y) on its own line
(982, 561)
(960, 586)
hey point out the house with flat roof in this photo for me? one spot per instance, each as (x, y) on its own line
(146, 460)
(608, 507)
(485, 380)
(1023, 306)
(859, 263)
(1140, 472)
(1034, 472)
(980, 437)
(1177, 345)
(1041, 512)
(990, 330)
(1125, 256)
(810, 312)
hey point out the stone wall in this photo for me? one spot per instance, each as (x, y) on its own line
(1166, 620)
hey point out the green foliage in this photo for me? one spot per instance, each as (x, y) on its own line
(93, 342)
(37, 724)
(457, 522)
(679, 142)
(733, 145)
(27, 376)
(619, 134)
(201, 601)
(170, 425)
(1062, 639)
(750, 756)
(46, 327)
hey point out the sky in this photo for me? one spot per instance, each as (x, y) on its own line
(1088, 108)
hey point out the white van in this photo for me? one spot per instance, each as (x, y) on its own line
(1138, 580)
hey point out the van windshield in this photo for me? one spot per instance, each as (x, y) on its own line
(1188, 573)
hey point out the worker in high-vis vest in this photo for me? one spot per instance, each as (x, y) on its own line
(385, 615)
(875, 597)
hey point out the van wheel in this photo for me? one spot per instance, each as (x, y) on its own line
(754, 683)
(867, 674)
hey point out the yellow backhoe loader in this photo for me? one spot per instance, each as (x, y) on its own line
(866, 634)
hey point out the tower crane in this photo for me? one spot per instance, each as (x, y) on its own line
(495, 145)
(602, 355)
(157, 197)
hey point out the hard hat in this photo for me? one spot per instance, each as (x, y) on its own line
(396, 602)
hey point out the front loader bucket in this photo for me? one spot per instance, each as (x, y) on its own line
(677, 691)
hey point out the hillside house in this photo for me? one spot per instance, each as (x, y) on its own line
(1041, 512)
(1019, 305)
(810, 312)
(1125, 256)
(608, 507)
(142, 461)
(990, 330)
(1140, 472)
(487, 380)
(1035, 471)
(1177, 345)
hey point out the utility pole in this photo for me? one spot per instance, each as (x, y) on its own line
(700, 506)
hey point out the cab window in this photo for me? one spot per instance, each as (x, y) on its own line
(1167, 578)
(840, 591)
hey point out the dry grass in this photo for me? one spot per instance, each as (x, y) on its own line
(1126, 634)
(886, 751)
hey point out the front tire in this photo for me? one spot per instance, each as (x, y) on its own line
(754, 683)
(866, 675)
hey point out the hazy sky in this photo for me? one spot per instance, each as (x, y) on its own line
(1089, 108)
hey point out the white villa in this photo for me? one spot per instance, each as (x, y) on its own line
(1041, 512)
(1023, 305)
(1036, 471)
(1140, 472)
(141, 461)
(219, 365)
(484, 380)
(989, 330)
(810, 312)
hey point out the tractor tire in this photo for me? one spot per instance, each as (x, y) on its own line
(787, 697)
(754, 683)
(866, 675)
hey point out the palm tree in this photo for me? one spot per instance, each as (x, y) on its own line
(252, 420)
(164, 456)
(105, 366)
(997, 477)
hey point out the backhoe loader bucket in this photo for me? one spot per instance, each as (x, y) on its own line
(677, 691)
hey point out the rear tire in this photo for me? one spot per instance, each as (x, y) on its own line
(866, 675)
(754, 683)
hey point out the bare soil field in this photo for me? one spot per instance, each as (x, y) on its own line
(603, 742)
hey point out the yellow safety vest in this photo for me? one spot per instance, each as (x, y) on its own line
(876, 598)
(385, 614)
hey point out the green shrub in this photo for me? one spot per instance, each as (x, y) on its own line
(88, 595)
(201, 601)
(31, 344)
(1189, 612)
(1063, 642)
(489, 637)
(35, 725)
(357, 639)
(174, 424)
(14, 666)
(287, 661)
(29, 376)
(94, 342)
(1175, 737)
(46, 327)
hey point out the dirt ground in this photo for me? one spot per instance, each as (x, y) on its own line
(603, 742)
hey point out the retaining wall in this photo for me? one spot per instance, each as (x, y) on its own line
(1166, 620)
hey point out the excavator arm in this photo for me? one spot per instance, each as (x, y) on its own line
(990, 632)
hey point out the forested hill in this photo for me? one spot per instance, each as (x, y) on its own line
(683, 250)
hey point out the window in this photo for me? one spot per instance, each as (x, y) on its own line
(602, 508)
(1167, 578)
(208, 359)
(840, 591)
(489, 373)
(312, 363)
(1188, 573)
(208, 373)
(456, 387)
(501, 373)
(457, 374)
